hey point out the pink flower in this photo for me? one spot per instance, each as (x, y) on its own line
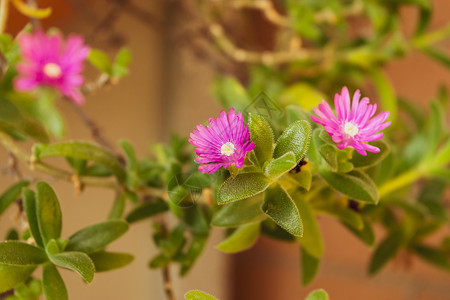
(352, 126)
(48, 60)
(224, 142)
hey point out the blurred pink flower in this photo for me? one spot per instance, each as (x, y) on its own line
(48, 60)
(352, 126)
(224, 142)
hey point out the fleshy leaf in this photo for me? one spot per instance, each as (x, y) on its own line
(240, 212)
(242, 186)
(95, 237)
(243, 238)
(354, 184)
(29, 205)
(280, 207)
(17, 253)
(281, 165)
(11, 194)
(48, 212)
(309, 266)
(147, 210)
(386, 250)
(318, 295)
(295, 138)
(53, 284)
(371, 159)
(261, 135)
(106, 261)
(198, 295)
(75, 261)
(10, 276)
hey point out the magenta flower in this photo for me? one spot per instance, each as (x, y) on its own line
(48, 61)
(352, 126)
(224, 142)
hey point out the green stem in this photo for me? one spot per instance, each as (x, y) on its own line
(432, 37)
(4, 9)
(401, 181)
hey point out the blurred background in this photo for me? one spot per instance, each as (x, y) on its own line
(169, 90)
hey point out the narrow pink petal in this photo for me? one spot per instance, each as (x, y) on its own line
(345, 102)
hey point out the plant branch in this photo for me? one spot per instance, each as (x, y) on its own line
(168, 286)
(400, 181)
(4, 10)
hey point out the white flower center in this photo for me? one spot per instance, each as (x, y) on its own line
(227, 149)
(350, 129)
(52, 70)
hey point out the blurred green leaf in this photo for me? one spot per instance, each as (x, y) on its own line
(231, 93)
(53, 284)
(198, 295)
(240, 213)
(118, 207)
(11, 194)
(131, 165)
(309, 266)
(95, 237)
(48, 212)
(122, 62)
(366, 234)
(317, 295)
(241, 187)
(195, 248)
(262, 136)
(82, 150)
(302, 94)
(280, 207)
(100, 60)
(437, 257)
(386, 250)
(147, 210)
(107, 261)
(295, 138)
(355, 184)
(386, 93)
(243, 238)
(311, 240)
(10, 276)
(78, 164)
(17, 253)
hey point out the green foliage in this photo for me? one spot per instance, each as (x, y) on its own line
(107, 261)
(75, 261)
(281, 165)
(243, 238)
(198, 295)
(261, 135)
(309, 266)
(11, 276)
(53, 284)
(231, 93)
(295, 138)
(317, 295)
(15, 253)
(241, 187)
(240, 213)
(147, 210)
(95, 237)
(11, 194)
(48, 212)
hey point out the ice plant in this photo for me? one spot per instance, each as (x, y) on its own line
(224, 142)
(49, 61)
(352, 126)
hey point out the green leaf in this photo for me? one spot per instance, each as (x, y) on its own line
(198, 295)
(243, 238)
(317, 295)
(48, 212)
(309, 266)
(118, 207)
(303, 95)
(280, 207)
(242, 186)
(434, 256)
(311, 240)
(281, 165)
(21, 254)
(386, 93)
(11, 194)
(75, 261)
(262, 136)
(53, 284)
(196, 247)
(10, 276)
(147, 210)
(100, 60)
(443, 156)
(371, 159)
(295, 138)
(77, 164)
(438, 55)
(231, 93)
(132, 165)
(82, 150)
(29, 205)
(366, 234)
(95, 237)
(240, 213)
(344, 214)
(107, 261)
(123, 59)
(354, 184)
(435, 129)
(386, 250)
